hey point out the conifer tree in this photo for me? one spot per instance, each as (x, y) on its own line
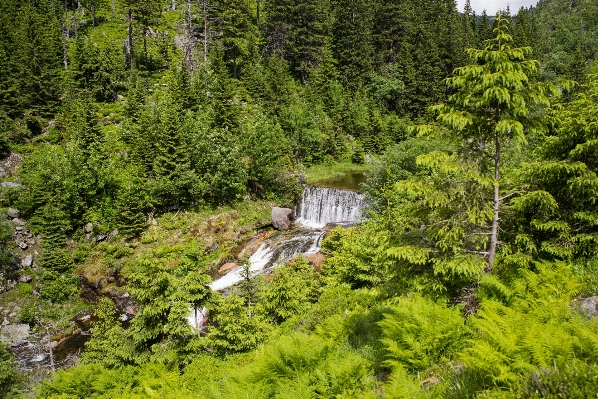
(239, 34)
(352, 40)
(492, 109)
(298, 30)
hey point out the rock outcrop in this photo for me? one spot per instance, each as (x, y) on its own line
(590, 306)
(281, 218)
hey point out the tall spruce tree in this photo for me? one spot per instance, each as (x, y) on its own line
(492, 109)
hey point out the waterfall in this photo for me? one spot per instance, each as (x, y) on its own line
(322, 205)
(319, 206)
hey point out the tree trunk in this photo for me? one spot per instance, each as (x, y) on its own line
(173, 5)
(257, 14)
(64, 55)
(66, 20)
(234, 63)
(190, 41)
(205, 30)
(496, 203)
(145, 48)
(75, 22)
(130, 39)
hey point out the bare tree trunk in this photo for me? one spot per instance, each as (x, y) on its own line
(496, 202)
(205, 30)
(190, 41)
(257, 13)
(64, 55)
(235, 63)
(75, 21)
(145, 48)
(112, 9)
(66, 20)
(130, 38)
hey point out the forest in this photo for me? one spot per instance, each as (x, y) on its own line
(144, 143)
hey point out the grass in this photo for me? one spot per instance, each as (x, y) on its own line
(318, 173)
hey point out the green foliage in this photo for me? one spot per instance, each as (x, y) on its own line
(110, 346)
(9, 378)
(419, 333)
(6, 256)
(557, 216)
(399, 162)
(537, 329)
(166, 295)
(290, 290)
(351, 257)
(240, 326)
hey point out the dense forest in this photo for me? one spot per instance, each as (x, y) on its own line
(142, 142)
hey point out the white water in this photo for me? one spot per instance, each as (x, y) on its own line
(319, 206)
(322, 205)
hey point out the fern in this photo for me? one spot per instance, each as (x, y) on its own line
(418, 333)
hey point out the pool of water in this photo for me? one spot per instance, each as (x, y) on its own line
(348, 181)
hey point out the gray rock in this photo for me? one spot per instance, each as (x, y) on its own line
(211, 248)
(99, 238)
(5, 322)
(590, 306)
(21, 244)
(13, 314)
(25, 278)
(38, 358)
(13, 213)
(10, 184)
(19, 222)
(18, 228)
(113, 233)
(88, 227)
(281, 218)
(27, 261)
(16, 308)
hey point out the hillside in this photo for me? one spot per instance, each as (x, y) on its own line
(146, 147)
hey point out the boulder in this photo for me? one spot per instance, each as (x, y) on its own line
(21, 244)
(281, 218)
(210, 248)
(25, 279)
(99, 238)
(88, 228)
(27, 261)
(14, 334)
(19, 222)
(113, 233)
(590, 306)
(13, 213)
(227, 267)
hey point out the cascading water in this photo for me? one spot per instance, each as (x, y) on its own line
(322, 205)
(319, 206)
